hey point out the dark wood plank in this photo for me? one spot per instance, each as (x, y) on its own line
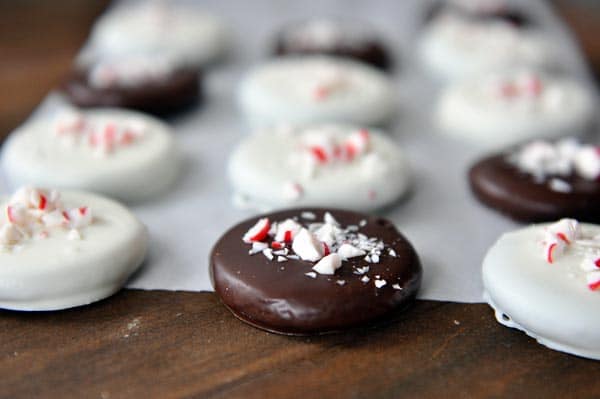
(166, 344)
(38, 41)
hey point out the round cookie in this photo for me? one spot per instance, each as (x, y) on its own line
(313, 89)
(502, 109)
(541, 181)
(121, 154)
(60, 250)
(456, 46)
(336, 37)
(152, 84)
(544, 280)
(321, 165)
(179, 31)
(309, 271)
(491, 10)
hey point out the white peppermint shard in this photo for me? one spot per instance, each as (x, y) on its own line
(347, 251)
(587, 162)
(287, 225)
(328, 265)
(566, 229)
(307, 247)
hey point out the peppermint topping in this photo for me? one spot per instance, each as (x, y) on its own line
(326, 245)
(103, 137)
(326, 34)
(379, 283)
(258, 232)
(307, 246)
(32, 212)
(325, 80)
(130, 71)
(329, 264)
(545, 160)
(566, 235)
(330, 146)
(524, 86)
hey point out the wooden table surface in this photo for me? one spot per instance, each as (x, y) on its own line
(178, 344)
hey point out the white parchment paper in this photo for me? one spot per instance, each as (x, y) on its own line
(449, 229)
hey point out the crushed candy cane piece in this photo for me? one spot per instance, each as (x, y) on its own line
(307, 246)
(258, 247)
(380, 283)
(593, 280)
(590, 263)
(587, 162)
(308, 215)
(258, 232)
(347, 251)
(32, 211)
(287, 230)
(365, 279)
(545, 159)
(311, 274)
(361, 270)
(340, 282)
(566, 230)
(268, 253)
(559, 185)
(396, 286)
(328, 264)
(329, 219)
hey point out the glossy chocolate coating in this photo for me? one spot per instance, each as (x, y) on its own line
(503, 187)
(180, 90)
(279, 297)
(369, 50)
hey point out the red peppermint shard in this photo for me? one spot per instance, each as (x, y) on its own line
(43, 202)
(594, 286)
(258, 232)
(326, 250)
(319, 153)
(551, 249)
(277, 245)
(563, 237)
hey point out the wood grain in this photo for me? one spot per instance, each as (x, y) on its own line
(175, 344)
(165, 344)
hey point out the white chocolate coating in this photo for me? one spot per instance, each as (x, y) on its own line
(34, 155)
(286, 90)
(328, 33)
(182, 32)
(477, 110)
(60, 272)
(549, 302)
(454, 47)
(266, 166)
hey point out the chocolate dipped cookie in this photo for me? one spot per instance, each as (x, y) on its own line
(314, 271)
(541, 181)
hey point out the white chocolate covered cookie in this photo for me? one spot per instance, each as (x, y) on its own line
(501, 109)
(60, 250)
(180, 31)
(544, 280)
(314, 89)
(118, 153)
(321, 165)
(454, 46)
